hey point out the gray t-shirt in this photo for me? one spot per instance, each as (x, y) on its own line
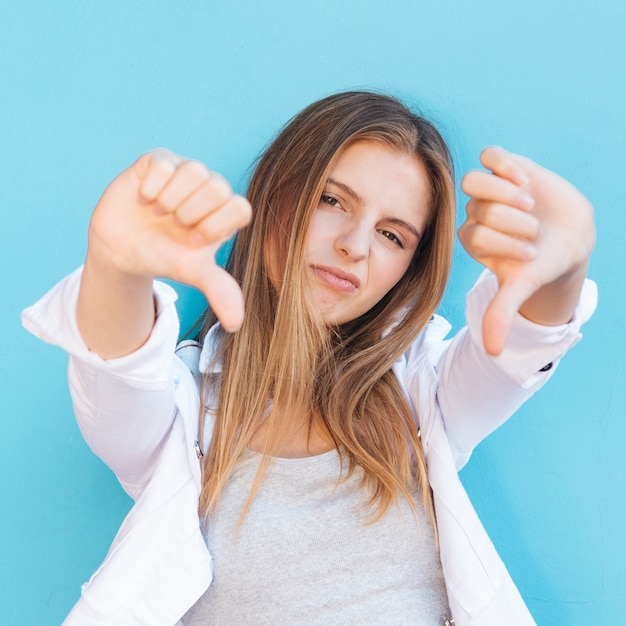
(305, 554)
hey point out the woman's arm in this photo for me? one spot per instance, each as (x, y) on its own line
(535, 232)
(476, 391)
(163, 216)
(124, 406)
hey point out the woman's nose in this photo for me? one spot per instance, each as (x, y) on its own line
(354, 241)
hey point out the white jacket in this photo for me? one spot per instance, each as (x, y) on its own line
(139, 413)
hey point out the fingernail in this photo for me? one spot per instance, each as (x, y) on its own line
(529, 252)
(526, 201)
(519, 177)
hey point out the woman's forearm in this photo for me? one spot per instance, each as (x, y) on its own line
(115, 310)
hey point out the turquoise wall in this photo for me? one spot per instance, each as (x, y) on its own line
(87, 86)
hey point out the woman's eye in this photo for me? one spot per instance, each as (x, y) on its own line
(330, 200)
(392, 237)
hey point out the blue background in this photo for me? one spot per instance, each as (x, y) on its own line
(87, 86)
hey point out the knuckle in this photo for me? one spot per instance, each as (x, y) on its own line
(219, 187)
(472, 208)
(477, 239)
(242, 209)
(160, 154)
(224, 223)
(468, 182)
(489, 152)
(212, 230)
(488, 214)
(184, 218)
(486, 155)
(195, 171)
(534, 229)
(162, 167)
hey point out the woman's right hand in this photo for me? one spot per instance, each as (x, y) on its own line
(164, 216)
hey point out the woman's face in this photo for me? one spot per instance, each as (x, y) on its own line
(365, 231)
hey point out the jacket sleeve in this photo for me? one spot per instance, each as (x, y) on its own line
(125, 406)
(476, 392)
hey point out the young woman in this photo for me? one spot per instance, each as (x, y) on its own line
(303, 469)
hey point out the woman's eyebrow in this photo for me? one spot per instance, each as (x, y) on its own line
(345, 188)
(402, 224)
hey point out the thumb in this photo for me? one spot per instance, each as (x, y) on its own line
(500, 313)
(223, 295)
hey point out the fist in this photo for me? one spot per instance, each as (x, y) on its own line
(167, 216)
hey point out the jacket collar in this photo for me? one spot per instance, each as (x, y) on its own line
(208, 363)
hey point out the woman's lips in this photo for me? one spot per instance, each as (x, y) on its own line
(336, 278)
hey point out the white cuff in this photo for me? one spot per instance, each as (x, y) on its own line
(53, 320)
(532, 350)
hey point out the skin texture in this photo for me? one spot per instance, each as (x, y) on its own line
(362, 237)
(167, 216)
(366, 229)
(535, 232)
(163, 216)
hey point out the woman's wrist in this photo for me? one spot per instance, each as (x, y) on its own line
(555, 303)
(115, 310)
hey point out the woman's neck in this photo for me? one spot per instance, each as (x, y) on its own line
(306, 438)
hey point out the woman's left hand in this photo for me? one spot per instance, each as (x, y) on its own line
(535, 231)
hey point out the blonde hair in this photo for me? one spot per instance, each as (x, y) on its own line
(283, 356)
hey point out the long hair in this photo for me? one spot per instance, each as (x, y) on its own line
(284, 362)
